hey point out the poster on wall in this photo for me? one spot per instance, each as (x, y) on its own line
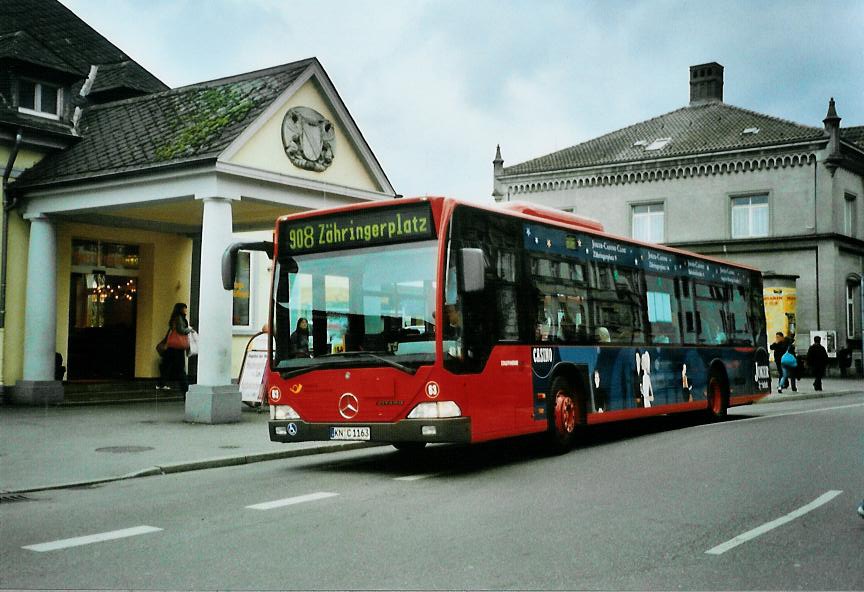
(781, 304)
(829, 341)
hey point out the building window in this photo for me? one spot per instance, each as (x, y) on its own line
(241, 316)
(853, 304)
(850, 220)
(38, 98)
(648, 223)
(750, 216)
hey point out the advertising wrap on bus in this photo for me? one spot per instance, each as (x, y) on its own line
(431, 320)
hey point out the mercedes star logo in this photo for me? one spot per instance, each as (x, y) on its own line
(348, 405)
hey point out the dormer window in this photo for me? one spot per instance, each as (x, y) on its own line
(658, 144)
(39, 98)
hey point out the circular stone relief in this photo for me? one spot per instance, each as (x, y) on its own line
(309, 139)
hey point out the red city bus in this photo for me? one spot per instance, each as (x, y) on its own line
(434, 320)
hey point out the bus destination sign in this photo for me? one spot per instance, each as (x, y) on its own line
(351, 230)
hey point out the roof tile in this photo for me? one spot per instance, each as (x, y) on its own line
(695, 129)
(180, 125)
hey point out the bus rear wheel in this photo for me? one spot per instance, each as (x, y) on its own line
(563, 414)
(717, 402)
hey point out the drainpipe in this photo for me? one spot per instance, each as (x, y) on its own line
(8, 204)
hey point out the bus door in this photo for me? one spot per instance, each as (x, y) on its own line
(482, 291)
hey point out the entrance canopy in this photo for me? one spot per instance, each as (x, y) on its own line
(177, 173)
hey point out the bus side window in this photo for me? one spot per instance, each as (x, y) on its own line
(663, 313)
(690, 324)
(711, 319)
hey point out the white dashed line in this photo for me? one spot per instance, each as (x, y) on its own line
(773, 415)
(93, 538)
(814, 410)
(290, 501)
(760, 530)
(416, 477)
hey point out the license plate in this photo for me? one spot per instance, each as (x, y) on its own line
(349, 433)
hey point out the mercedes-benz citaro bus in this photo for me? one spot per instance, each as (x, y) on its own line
(435, 320)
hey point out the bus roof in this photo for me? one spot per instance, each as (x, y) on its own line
(525, 210)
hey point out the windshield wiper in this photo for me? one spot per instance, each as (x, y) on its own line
(375, 355)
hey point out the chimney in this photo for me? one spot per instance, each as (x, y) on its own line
(706, 83)
(832, 130)
(497, 171)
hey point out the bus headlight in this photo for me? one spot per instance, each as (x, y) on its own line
(283, 412)
(436, 410)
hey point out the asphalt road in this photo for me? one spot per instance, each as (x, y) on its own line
(642, 505)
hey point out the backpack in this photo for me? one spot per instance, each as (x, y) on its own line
(789, 360)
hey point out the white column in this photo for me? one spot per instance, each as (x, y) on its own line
(40, 314)
(215, 303)
(37, 385)
(214, 399)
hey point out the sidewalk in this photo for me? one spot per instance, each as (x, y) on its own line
(53, 447)
(831, 387)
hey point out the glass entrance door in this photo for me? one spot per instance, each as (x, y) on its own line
(102, 326)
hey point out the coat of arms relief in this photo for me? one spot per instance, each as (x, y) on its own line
(309, 139)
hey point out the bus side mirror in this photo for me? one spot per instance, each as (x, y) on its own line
(473, 270)
(229, 259)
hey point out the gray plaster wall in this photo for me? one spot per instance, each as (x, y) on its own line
(792, 261)
(844, 183)
(696, 208)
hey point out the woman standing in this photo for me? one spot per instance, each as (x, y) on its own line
(173, 364)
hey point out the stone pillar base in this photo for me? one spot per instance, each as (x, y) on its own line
(36, 392)
(213, 404)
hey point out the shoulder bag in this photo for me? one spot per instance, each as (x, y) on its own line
(193, 342)
(177, 341)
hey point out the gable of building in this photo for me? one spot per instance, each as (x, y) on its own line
(700, 128)
(264, 146)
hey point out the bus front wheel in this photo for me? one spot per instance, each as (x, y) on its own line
(717, 402)
(563, 415)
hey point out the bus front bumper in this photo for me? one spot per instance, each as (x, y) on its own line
(456, 429)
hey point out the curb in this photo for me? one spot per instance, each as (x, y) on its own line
(212, 463)
(777, 398)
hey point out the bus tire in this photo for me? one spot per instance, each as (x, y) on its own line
(718, 397)
(409, 447)
(563, 415)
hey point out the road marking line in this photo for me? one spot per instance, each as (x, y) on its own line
(759, 530)
(93, 538)
(290, 501)
(761, 417)
(416, 477)
(815, 410)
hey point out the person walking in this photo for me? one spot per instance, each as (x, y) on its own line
(173, 364)
(817, 361)
(789, 364)
(779, 348)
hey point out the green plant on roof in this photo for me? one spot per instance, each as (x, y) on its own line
(202, 123)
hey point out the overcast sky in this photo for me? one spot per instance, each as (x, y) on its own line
(435, 85)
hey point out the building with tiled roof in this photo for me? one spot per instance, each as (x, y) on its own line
(718, 179)
(121, 195)
(161, 130)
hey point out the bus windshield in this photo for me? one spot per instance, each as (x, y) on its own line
(369, 306)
